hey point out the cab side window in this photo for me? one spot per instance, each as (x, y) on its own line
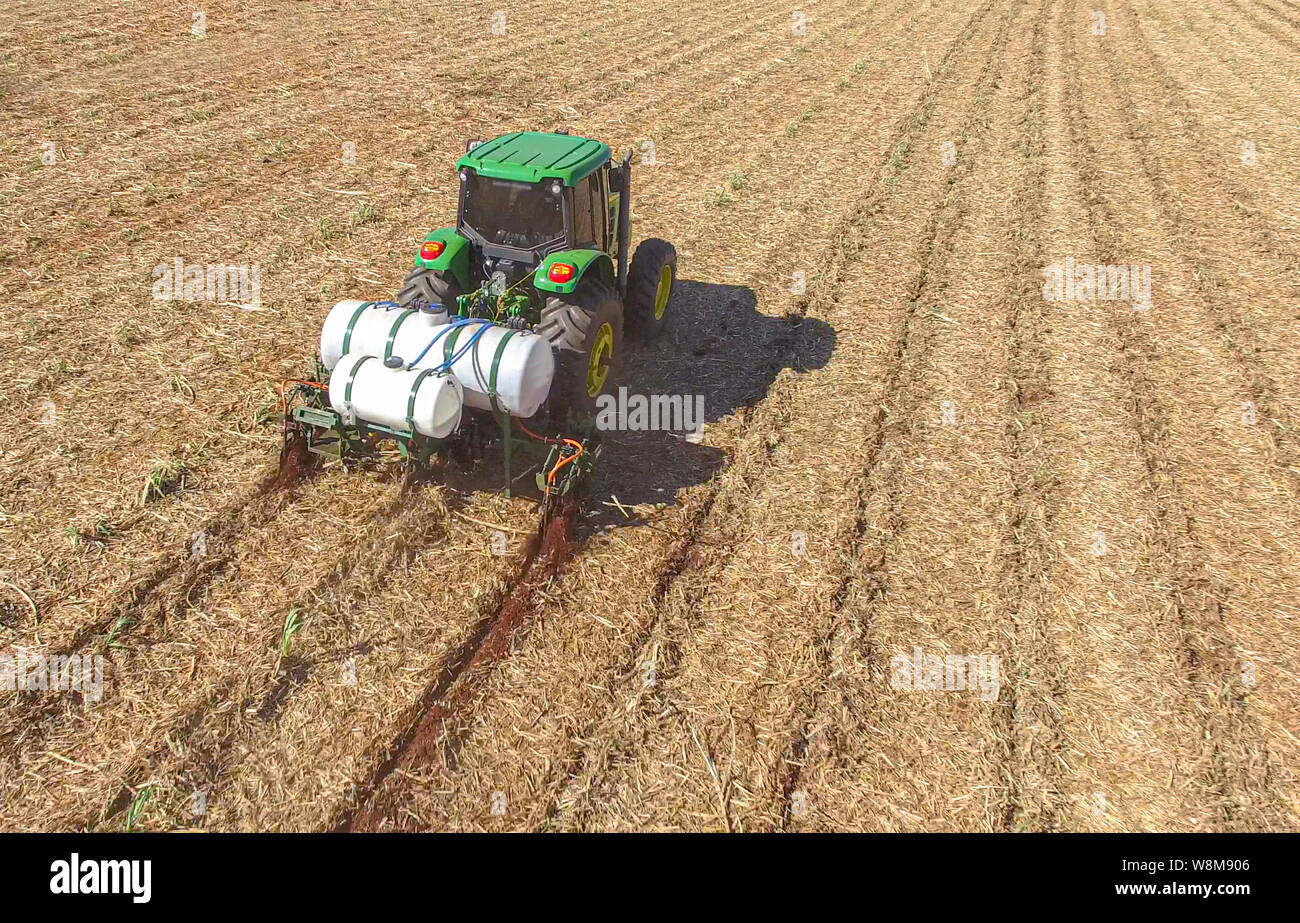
(599, 198)
(584, 232)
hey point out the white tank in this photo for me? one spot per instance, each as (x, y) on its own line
(364, 327)
(523, 375)
(384, 396)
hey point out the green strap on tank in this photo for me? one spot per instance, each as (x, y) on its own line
(392, 334)
(347, 389)
(496, 365)
(356, 316)
(449, 346)
(410, 401)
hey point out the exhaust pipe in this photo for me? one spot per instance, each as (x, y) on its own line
(624, 221)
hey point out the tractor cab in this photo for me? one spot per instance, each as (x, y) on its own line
(526, 195)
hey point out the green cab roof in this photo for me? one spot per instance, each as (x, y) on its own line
(530, 156)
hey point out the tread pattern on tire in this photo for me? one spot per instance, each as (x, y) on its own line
(423, 284)
(643, 283)
(566, 322)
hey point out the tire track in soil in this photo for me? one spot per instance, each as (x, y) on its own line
(207, 738)
(906, 364)
(415, 529)
(146, 684)
(685, 552)
(255, 767)
(362, 569)
(1282, 22)
(30, 718)
(1119, 732)
(759, 37)
(399, 534)
(1196, 600)
(490, 641)
(1033, 719)
(249, 511)
(1022, 546)
(738, 51)
(1287, 13)
(1263, 25)
(695, 585)
(459, 658)
(1217, 301)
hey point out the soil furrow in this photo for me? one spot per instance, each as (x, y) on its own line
(1198, 602)
(869, 558)
(1274, 395)
(689, 558)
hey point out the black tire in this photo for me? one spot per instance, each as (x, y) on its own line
(426, 286)
(652, 257)
(573, 324)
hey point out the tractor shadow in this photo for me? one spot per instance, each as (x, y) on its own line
(717, 346)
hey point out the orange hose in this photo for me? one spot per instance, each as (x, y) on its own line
(520, 423)
(284, 389)
(550, 478)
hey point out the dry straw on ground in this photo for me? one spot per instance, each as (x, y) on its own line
(906, 445)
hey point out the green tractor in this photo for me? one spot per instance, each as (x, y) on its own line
(520, 310)
(541, 243)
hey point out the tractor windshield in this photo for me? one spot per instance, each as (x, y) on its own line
(512, 214)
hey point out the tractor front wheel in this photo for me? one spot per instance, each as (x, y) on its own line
(650, 284)
(585, 330)
(426, 285)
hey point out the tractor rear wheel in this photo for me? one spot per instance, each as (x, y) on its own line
(585, 330)
(650, 284)
(427, 285)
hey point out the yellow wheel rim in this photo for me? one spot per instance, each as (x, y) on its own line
(598, 363)
(661, 294)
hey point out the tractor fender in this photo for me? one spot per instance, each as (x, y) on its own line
(582, 261)
(454, 257)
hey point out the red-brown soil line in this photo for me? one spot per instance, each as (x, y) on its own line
(296, 462)
(542, 560)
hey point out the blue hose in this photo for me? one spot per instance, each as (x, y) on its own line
(446, 365)
(459, 322)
